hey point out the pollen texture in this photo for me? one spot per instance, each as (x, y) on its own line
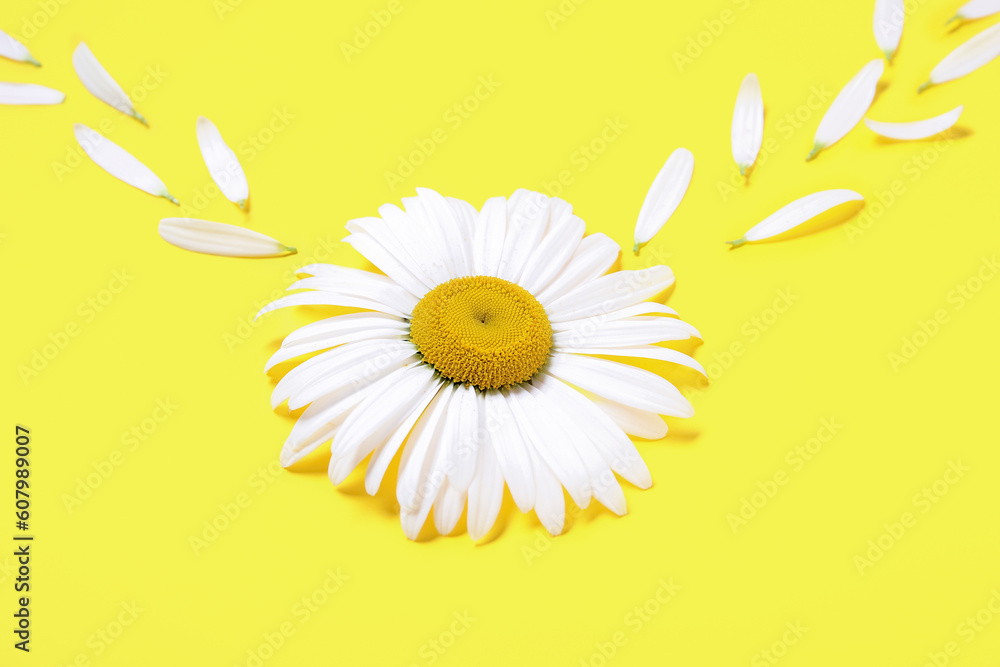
(482, 330)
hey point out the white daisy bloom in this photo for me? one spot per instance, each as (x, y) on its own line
(477, 354)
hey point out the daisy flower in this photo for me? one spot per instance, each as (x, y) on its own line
(482, 351)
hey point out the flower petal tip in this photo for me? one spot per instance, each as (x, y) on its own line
(924, 86)
(737, 243)
(31, 59)
(813, 153)
(172, 199)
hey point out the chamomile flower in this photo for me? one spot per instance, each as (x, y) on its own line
(484, 350)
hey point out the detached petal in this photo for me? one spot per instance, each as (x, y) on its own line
(918, 129)
(216, 238)
(968, 57)
(118, 162)
(96, 79)
(28, 93)
(664, 195)
(15, 50)
(222, 163)
(888, 25)
(848, 108)
(976, 9)
(796, 213)
(748, 123)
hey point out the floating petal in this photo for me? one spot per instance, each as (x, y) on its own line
(968, 57)
(28, 93)
(976, 9)
(848, 108)
(222, 163)
(118, 162)
(796, 213)
(96, 79)
(888, 25)
(15, 50)
(216, 238)
(748, 123)
(664, 195)
(918, 129)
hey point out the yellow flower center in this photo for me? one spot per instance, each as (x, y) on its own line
(482, 330)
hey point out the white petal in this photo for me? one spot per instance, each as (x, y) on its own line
(848, 107)
(527, 220)
(491, 230)
(614, 446)
(748, 123)
(415, 483)
(331, 332)
(448, 509)
(422, 240)
(550, 506)
(377, 417)
(918, 129)
(15, 50)
(643, 308)
(640, 423)
(320, 421)
(356, 282)
(976, 9)
(96, 79)
(625, 384)
(626, 332)
(389, 260)
(327, 298)
(485, 493)
(511, 450)
(593, 257)
(384, 453)
(794, 214)
(222, 163)
(609, 293)
(664, 195)
(550, 444)
(968, 57)
(415, 210)
(28, 93)
(118, 162)
(457, 235)
(887, 24)
(640, 352)
(468, 436)
(552, 254)
(217, 238)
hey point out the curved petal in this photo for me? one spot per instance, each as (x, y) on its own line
(511, 450)
(794, 214)
(223, 165)
(848, 108)
(967, 58)
(748, 123)
(527, 220)
(26, 94)
(628, 332)
(118, 162)
(640, 352)
(593, 257)
(887, 24)
(99, 83)
(217, 238)
(609, 293)
(491, 230)
(918, 129)
(15, 50)
(485, 493)
(664, 195)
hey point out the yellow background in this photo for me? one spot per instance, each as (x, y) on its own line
(177, 332)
